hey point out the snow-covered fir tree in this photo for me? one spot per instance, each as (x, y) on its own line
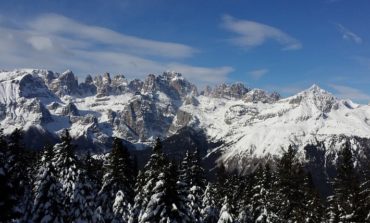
(248, 194)
(263, 202)
(365, 193)
(168, 203)
(98, 216)
(83, 203)
(190, 184)
(7, 199)
(66, 165)
(225, 215)
(197, 186)
(147, 180)
(20, 161)
(332, 212)
(138, 200)
(210, 212)
(220, 185)
(313, 207)
(185, 168)
(238, 196)
(118, 177)
(344, 204)
(290, 174)
(48, 199)
(121, 208)
(94, 171)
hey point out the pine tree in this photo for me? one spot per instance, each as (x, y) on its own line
(121, 208)
(332, 211)
(94, 171)
(19, 160)
(220, 185)
(314, 208)
(242, 199)
(193, 180)
(258, 192)
(290, 174)
(345, 201)
(235, 190)
(118, 177)
(167, 204)
(82, 206)
(98, 216)
(7, 200)
(197, 186)
(365, 193)
(48, 201)
(185, 209)
(225, 215)
(210, 212)
(139, 198)
(146, 181)
(185, 169)
(66, 165)
(263, 200)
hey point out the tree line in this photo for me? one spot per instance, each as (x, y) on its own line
(56, 185)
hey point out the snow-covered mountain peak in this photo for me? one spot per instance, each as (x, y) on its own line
(314, 97)
(172, 75)
(26, 83)
(315, 91)
(19, 73)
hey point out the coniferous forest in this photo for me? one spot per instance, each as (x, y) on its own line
(56, 185)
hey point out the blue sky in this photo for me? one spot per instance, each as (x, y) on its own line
(275, 45)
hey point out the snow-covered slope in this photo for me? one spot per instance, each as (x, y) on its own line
(249, 123)
(257, 130)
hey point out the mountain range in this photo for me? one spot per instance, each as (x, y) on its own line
(230, 123)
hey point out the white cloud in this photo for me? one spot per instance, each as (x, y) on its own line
(257, 74)
(52, 24)
(346, 92)
(348, 35)
(40, 42)
(253, 34)
(55, 42)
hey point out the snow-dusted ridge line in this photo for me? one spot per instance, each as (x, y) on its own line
(250, 122)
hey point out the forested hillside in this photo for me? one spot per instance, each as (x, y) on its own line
(56, 185)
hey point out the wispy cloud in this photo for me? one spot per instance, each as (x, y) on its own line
(257, 74)
(346, 92)
(57, 25)
(348, 34)
(56, 42)
(252, 34)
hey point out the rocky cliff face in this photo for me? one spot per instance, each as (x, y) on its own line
(258, 95)
(233, 91)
